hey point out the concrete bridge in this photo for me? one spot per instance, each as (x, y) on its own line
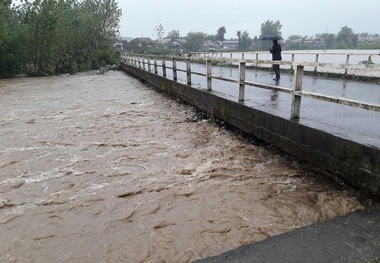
(338, 134)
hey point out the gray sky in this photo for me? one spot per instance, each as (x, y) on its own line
(307, 17)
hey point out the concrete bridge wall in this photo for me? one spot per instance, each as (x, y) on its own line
(355, 163)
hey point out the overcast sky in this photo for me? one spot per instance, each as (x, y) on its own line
(307, 17)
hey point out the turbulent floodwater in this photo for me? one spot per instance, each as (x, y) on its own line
(101, 168)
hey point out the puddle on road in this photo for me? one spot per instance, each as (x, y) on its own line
(101, 168)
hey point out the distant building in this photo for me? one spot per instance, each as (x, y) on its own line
(146, 40)
(118, 46)
(124, 39)
(211, 45)
(172, 43)
(230, 44)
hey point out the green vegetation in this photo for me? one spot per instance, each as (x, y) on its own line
(220, 33)
(46, 37)
(244, 41)
(194, 41)
(173, 43)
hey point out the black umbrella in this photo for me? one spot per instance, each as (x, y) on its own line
(271, 37)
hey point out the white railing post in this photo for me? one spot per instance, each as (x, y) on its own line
(257, 59)
(316, 62)
(139, 61)
(297, 86)
(241, 80)
(292, 61)
(188, 71)
(155, 66)
(174, 69)
(347, 63)
(242, 55)
(163, 68)
(209, 78)
(148, 59)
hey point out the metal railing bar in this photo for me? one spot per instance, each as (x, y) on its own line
(338, 100)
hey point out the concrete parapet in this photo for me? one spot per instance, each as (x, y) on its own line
(356, 163)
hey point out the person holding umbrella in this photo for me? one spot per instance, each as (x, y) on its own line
(276, 55)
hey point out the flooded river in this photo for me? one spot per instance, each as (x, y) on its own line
(101, 168)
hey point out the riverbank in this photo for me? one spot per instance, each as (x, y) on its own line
(354, 238)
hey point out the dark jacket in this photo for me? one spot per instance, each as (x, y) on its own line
(276, 51)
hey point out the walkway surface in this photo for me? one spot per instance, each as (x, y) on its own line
(354, 238)
(351, 239)
(354, 124)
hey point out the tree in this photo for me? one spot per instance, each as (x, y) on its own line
(220, 33)
(41, 17)
(159, 32)
(238, 34)
(194, 41)
(346, 38)
(244, 41)
(364, 35)
(328, 40)
(61, 36)
(296, 42)
(99, 19)
(269, 28)
(174, 34)
(12, 41)
(295, 37)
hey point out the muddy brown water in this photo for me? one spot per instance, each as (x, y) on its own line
(102, 168)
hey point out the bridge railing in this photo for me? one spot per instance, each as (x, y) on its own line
(146, 62)
(343, 63)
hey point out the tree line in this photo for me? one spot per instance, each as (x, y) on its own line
(195, 41)
(346, 38)
(45, 37)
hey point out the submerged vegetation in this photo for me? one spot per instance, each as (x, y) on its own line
(46, 37)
